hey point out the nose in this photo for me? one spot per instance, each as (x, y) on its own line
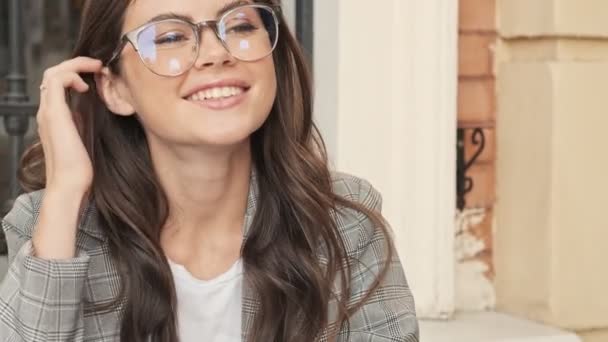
(211, 50)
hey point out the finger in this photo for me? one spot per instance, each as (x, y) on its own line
(54, 93)
(80, 85)
(81, 64)
(59, 71)
(78, 66)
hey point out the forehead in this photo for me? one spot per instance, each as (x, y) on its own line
(141, 11)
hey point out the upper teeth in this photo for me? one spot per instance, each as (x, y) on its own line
(215, 93)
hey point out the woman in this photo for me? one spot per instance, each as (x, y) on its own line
(187, 195)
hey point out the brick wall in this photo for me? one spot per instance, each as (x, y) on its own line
(476, 91)
(477, 108)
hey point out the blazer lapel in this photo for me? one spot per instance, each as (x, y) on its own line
(250, 301)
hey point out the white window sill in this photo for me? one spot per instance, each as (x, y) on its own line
(491, 327)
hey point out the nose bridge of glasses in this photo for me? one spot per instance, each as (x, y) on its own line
(212, 44)
(212, 25)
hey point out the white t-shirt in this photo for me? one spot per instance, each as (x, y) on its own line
(209, 310)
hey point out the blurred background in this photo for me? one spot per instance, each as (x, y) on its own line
(480, 121)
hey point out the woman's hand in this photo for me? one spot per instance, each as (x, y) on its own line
(68, 166)
(69, 170)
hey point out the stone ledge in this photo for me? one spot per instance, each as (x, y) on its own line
(553, 50)
(550, 18)
(491, 327)
(594, 335)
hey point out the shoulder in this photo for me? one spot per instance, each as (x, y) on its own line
(356, 228)
(356, 189)
(24, 213)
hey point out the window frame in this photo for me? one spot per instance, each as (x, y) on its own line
(305, 26)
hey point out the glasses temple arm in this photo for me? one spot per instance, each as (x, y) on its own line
(118, 50)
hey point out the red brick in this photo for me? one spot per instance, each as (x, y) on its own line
(476, 100)
(476, 54)
(477, 15)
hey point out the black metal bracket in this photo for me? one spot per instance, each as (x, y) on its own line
(464, 183)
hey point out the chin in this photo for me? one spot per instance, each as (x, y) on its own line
(226, 139)
(229, 132)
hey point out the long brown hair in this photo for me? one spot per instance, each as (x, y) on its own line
(292, 226)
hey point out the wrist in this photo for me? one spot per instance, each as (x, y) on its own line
(66, 197)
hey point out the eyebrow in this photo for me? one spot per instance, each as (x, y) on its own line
(186, 17)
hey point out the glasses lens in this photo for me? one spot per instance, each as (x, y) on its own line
(249, 32)
(168, 47)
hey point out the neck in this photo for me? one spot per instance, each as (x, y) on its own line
(207, 189)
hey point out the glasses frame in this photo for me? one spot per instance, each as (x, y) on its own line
(132, 36)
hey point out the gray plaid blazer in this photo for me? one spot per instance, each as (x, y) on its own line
(51, 300)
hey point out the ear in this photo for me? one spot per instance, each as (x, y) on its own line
(114, 93)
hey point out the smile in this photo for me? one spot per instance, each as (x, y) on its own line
(219, 98)
(216, 93)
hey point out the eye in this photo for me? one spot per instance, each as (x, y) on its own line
(170, 38)
(242, 28)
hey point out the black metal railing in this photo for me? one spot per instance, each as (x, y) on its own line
(15, 107)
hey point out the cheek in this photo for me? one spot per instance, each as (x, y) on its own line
(151, 94)
(268, 84)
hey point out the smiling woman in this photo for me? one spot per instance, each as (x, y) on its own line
(181, 190)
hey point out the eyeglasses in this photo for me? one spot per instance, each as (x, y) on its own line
(170, 47)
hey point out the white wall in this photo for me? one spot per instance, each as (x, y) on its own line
(386, 103)
(326, 63)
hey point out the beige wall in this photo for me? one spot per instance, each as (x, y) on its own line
(552, 88)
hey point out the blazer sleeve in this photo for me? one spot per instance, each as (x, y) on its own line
(40, 300)
(389, 313)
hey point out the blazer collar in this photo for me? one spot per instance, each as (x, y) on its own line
(252, 201)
